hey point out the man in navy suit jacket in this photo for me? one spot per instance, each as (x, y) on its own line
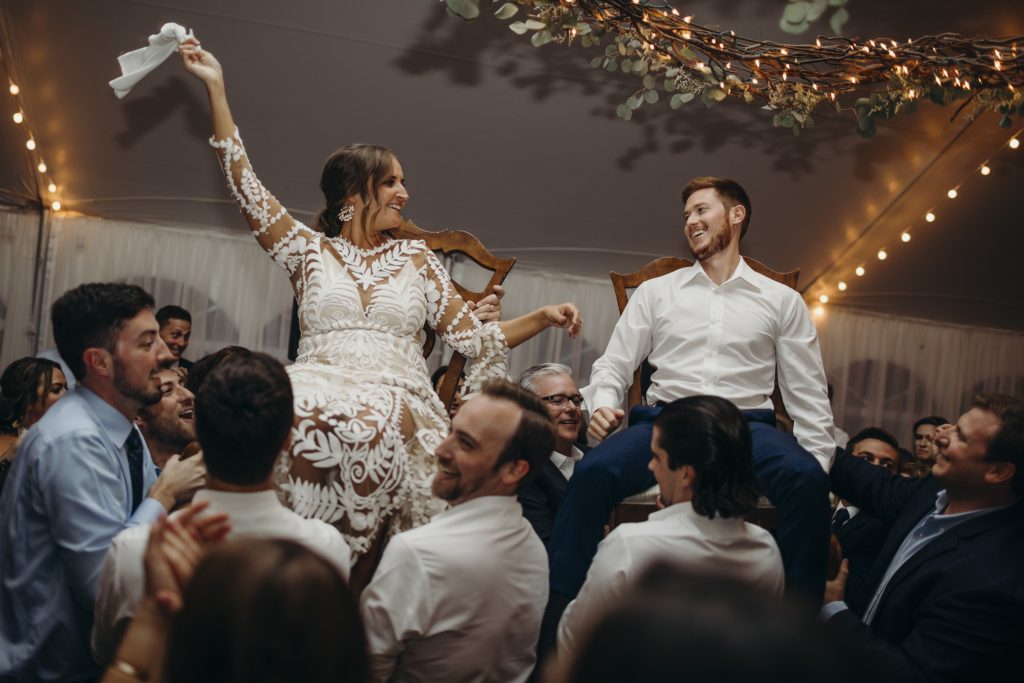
(542, 497)
(945, 598)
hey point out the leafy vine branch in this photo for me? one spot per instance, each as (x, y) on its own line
(670, 53)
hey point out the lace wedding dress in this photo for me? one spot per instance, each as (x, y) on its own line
(367, 418)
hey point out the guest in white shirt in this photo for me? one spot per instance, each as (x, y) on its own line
(461, 598)
(243, 420)
(715, 328)
(703, 465)
(542, 497)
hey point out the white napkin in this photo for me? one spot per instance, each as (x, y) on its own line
(137, 63)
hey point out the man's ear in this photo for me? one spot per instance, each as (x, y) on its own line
(513, 472)
(100, 361)
(1000, 471)
(737, 213)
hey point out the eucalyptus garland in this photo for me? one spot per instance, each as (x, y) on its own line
(874, 78)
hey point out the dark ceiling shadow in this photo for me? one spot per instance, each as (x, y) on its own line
(143, 113)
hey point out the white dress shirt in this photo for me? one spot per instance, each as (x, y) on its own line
(254, 515)
(723, 340)
(460, 598)
(566, 463)
(728, 547)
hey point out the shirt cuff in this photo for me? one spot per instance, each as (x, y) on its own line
(832, 609)
(149, 511)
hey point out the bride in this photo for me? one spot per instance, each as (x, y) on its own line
(367, 417)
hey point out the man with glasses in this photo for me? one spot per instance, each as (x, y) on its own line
(542, 497)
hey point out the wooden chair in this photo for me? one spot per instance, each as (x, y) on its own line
(450, 242)
(637, 508)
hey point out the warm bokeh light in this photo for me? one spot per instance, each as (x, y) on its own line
(823, 298)
(30, 144)
(952, 193)
(882, 255)
(841, 286)
(18, 117)
(905, 237)
(1014, 143)
(930, 217)
(55, 205)
(52, 187)
(860, 271)
(985, 170)
(14, 89)
(42, 167)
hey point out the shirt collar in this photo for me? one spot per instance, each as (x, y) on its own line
(717, 527)
(238, 504)
(482, 505)
(942, 502)
(557, 458)
(742, 272)
(115, 425)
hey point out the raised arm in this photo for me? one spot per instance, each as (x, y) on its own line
(270, 222)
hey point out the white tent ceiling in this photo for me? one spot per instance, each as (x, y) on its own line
(521, 145)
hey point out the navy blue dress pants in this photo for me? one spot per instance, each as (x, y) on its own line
(616, 469)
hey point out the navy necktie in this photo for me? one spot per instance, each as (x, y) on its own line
(841, 517)
(135, 454)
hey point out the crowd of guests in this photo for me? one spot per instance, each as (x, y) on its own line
(97, 580)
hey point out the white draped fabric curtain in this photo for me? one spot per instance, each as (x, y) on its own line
(887, 371)
(235, 294)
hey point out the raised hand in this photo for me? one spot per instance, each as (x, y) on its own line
(176, 544)
(603, 422)
(200, 63)
(566, 316)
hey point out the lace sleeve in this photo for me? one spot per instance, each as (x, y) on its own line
(280, 235)
(451, 318)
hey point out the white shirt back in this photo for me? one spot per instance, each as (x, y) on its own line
(253, 515)
(460, 598)
(730, 547)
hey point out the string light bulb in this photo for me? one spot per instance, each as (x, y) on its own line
(860, 271)
(30, 144)
(42, 167)
(1014, 143)
(952, 193)
(18, 117)
(823, 298)
(841, 286)
(819, 311)
(930, 217)
(55, 205)
(882, 254)
(985, 170)
(14, 89)
(905, 237)
(52, 187)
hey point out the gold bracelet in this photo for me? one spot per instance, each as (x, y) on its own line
(126, 668)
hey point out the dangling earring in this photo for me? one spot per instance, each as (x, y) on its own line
(346, 213)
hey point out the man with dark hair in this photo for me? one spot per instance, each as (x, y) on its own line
(861, 534)
(714, 328)
(542, 497)
(943, 601)
(83, 474)
(169, 425)
(176, 331)
(924, 438)
(702, 462)
(244, 416)
(461, 598)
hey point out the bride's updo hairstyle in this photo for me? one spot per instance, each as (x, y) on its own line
(353, 169)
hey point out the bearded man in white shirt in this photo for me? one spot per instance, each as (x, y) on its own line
(702, 461)
(244, 416)
(715, 328)
(461, 598)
